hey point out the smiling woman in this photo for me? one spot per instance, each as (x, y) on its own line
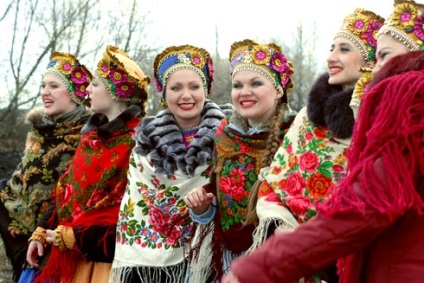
(172, 156)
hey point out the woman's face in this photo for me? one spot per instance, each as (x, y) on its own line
(100, 98)
(55, 96)
(254, 96)
(185, 97)
(344, 62)
(387, 48)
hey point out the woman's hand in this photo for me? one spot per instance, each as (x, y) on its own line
(229, 278)
(51, 237)
(198, 200)
(35, 250)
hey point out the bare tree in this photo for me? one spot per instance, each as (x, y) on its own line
(302, 55)
(6, 11)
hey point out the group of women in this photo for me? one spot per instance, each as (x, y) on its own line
(248, 192)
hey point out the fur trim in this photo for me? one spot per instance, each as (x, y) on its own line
(35, 115)
(161, 137)
(328, 106)
(104, 128)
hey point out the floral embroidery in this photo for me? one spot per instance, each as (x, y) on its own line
(168, 224)
(305, 168)
(100, 184)
(48, 151)
(241, 157)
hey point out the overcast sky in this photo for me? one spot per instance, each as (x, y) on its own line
(175, 22)
(194, 21)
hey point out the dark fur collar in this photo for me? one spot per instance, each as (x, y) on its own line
(161, 137)
(104, 128)
(328, 106)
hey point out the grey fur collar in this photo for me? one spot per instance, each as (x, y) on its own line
(161, 137)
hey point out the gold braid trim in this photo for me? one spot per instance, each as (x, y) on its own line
(59, 238)
(68, 237)
(40, 235)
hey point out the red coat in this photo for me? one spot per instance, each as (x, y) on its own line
(394, 249)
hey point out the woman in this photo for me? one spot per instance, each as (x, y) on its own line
(312, 157)
(245, 142)
(49, 148)
(87, 197)
(399, 35)
(374, 218)
(172, 156)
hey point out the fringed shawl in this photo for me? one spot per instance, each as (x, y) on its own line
(311, 159)
(48, 151)
(90, 191)
(390, 133)
(238, 159)
(154, 227)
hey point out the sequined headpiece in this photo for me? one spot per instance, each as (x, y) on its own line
(361, 27)
(183, 57)
(122, 76)
(406, 24)
(267, 59)
(75, 76)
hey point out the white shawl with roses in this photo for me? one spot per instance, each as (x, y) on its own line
(306, 166)
(154, 225)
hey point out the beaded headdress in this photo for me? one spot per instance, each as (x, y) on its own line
(75, 76)
(361, 27)
(122, 76)
(406, 24)
(361, 86)
(183, 57)
(267, 59)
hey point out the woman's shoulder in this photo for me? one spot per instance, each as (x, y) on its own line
(35, 115)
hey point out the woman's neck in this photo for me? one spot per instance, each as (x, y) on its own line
(115, 110)
(188, 125)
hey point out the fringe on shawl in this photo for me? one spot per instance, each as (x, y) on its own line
(386, 152)
(265, 228)
(149, 274)
(62, 265)
(201, 268)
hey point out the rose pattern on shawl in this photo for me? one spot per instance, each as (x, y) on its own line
(235, 177)
(168, 224)
(102, 183)
(304, 172)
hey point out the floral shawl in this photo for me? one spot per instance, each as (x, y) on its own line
(154, 226)
(238, 157)
(91, 190)
(311, 159)
(49, 148)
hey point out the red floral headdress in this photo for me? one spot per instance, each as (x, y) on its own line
(266, 59)
(361, 27)
(72, 73)
(406, 24)
(122, 76)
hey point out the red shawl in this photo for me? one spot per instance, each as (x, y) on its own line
(90, 193)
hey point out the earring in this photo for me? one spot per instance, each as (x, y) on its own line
(163, 103)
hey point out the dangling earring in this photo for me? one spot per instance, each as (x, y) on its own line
(163, 103)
